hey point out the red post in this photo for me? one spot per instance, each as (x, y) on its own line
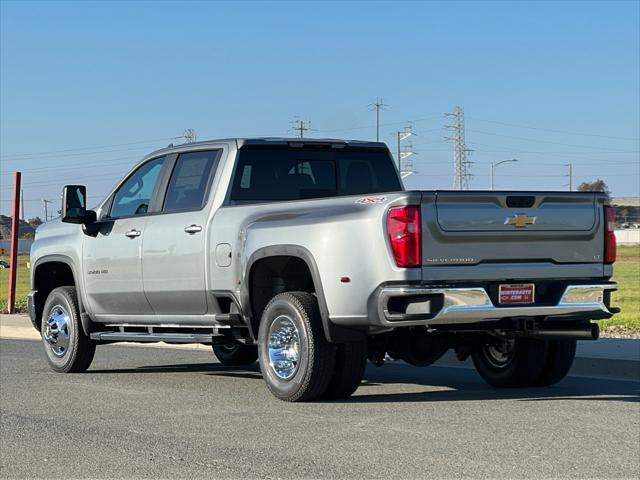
(13, 260)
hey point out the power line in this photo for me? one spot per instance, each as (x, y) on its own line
(552, 152)
(50, 200)
(461, 173)
(98, 147)
(71, 166)
(389, 124)
(553, 130)
(56, 156)
(539, 141)
(73, 178)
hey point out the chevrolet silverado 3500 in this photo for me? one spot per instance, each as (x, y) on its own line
(310, 257)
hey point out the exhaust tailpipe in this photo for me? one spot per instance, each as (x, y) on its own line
(589, 331)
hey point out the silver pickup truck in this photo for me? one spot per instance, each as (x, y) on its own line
(310, 257)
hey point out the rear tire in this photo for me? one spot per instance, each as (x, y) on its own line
(236, 355)
(67, 347)
(351, 363)
(296, 360)
(510, 362)
(560, 356)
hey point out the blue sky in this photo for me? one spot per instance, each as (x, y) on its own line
(88, 88)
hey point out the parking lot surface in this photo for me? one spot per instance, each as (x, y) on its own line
(155, 412)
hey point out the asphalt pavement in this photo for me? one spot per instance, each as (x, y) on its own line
(168, 413)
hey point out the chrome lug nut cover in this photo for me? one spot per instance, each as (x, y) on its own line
(56, 330)
(284, 347)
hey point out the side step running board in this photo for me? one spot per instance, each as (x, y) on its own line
(152, 337)
(230, 318)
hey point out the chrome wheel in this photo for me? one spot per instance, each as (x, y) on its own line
(56, 331)
(499, 355)
(284, 347)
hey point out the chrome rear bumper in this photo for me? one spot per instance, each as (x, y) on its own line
(446, 306)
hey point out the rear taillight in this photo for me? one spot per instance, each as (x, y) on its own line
(609, 234)
(403, 227)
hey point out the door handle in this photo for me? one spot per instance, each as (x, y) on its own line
(133, 233)
(191, 229)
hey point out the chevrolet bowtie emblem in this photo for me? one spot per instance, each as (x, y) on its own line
(520, 221)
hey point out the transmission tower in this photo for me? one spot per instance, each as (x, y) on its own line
(377, 106)
(405, 151)
(189, 135)
(462, 166)
(300, 126)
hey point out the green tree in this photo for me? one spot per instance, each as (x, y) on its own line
(35, 222)
(595, 186)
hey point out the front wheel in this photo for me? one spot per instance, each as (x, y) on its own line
(67, 347)
(235, 355)
(296, 360)
(510, 362)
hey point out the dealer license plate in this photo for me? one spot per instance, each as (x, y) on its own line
(516, 293)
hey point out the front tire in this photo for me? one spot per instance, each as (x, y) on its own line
(296, 360)
(235, 355)
(516, 362)
(67, 347)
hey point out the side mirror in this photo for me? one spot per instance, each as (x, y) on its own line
(74, 204)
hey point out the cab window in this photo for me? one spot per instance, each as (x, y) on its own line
(134, 195)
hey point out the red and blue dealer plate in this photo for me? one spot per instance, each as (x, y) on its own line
(516, 293)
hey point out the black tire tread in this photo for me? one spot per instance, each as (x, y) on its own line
(351, 363)
(244, 355)
(529, 360)
(321, 353)
(560, 356)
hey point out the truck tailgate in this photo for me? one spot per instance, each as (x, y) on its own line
(507, 228)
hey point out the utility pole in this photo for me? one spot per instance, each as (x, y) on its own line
(46, 211)
(461, 170)
(15, 234)
(189, 135)
(405, 168)
(300, 126)
(570, 175)
(377, 106)
(22, 202)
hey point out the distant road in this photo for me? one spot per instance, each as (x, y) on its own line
(154, 412)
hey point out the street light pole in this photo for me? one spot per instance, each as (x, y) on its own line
(491, 175)
(494, 165)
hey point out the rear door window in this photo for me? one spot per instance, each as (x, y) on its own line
(190, 180)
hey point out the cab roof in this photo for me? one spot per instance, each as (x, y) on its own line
(268, 141)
